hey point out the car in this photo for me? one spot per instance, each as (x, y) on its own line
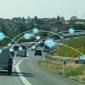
(38, 52)
(41, 44)
(80, 60)
(33, 47)
(6, 60)
(16, 47)
(22, 51)
(47, 49)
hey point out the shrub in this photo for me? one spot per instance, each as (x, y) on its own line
(74, 70)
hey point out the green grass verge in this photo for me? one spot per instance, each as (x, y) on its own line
(77, 44)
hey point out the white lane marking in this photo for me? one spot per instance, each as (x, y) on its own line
(21, 77)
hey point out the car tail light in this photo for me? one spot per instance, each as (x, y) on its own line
(10, 61)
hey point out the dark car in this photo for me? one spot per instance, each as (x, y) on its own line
(80, 60)
(6, 60)
(16, 47)
(38, 53)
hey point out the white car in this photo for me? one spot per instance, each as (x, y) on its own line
(33, 47)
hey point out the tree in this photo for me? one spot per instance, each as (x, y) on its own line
(73, 20)
(36, 20)
(60, 20)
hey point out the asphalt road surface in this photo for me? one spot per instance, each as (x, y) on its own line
(37, 76)
(34, 74)
(10, 80)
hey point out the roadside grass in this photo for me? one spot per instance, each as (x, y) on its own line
(53, 67)
(74, 71)
(54, 63)
(66, 52)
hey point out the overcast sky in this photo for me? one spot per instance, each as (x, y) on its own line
(42, 8)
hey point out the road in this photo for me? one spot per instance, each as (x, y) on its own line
(10, 80)
(34, 74)
(37, 76)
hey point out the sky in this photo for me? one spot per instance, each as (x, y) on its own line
(42, 8)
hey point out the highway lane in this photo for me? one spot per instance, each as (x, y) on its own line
(38, 76)
(35, 75)
(10, 80)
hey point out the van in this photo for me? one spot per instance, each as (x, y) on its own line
(22, 52)
(6, 60)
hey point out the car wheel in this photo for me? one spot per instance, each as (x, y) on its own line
(9, 69)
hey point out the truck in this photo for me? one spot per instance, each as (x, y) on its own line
(6, 60)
